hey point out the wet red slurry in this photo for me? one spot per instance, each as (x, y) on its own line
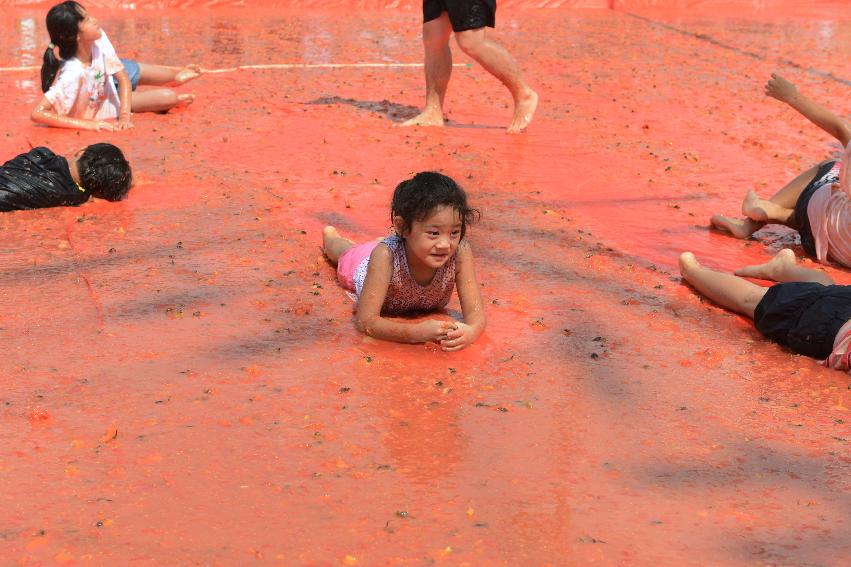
(183, 383)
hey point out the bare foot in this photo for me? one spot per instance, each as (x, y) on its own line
(187, 74)
(688, 264)
(771, 270)
(755, 208)
(762, 210)
(185, 99)
(329, 233)
(428, 117)
(524, 110)
(740, 228)
(333, 245)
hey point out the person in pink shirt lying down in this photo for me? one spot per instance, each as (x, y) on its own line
(816, 203)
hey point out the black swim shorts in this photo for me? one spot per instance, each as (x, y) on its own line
(464, 15)
(821, 178)
(804, 316)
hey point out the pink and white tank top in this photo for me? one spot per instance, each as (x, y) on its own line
(404, 294)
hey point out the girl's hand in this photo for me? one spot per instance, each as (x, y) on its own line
(434, 330)
(124, 123)
(780, 88)
(458, 337)
(98, 125)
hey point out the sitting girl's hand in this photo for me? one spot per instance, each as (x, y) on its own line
(98, 125)
(459, 336)
(124, 123)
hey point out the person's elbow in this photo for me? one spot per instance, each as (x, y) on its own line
(365, 323)
(40, 112)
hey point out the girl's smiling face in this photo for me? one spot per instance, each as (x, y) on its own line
(89, 28)
(431, 242)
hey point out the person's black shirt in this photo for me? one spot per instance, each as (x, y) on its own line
(38, 179)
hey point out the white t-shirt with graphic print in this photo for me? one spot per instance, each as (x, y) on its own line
(87, 92)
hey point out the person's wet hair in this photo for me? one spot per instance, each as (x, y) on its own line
(63, 24)
(416, 198)
(104, 172)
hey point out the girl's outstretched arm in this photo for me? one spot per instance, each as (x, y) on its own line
(371, 300)
(471, 303)
(784, 91)
(43, 113)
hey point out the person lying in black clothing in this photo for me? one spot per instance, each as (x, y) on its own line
(40, 178)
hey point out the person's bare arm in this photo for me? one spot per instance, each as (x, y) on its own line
(784, 91)
(466, 332)
(125, 97)
(371, 300)
(43, 113)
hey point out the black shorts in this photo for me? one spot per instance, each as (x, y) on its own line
(821, 179)
(464, 15)
(804, 316)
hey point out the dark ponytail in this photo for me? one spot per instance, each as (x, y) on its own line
(63, 24)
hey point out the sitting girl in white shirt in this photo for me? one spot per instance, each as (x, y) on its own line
(86, 85)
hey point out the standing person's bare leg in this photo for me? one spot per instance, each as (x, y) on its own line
(499, 63)
(438, 69)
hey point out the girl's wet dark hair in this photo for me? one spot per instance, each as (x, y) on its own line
(63, 24)
(104, 172)
(414, 199)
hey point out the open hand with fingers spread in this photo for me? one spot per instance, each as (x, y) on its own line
(781, 89)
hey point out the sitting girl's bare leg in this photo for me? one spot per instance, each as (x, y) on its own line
(158, 100)
(783, 267)
(161, 75)
(777, 209)
(333, 244)
(727, 290)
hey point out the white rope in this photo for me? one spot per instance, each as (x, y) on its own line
(276, 66)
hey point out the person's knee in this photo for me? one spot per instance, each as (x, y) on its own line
(436, 35)
(168, 97)
(470, 41)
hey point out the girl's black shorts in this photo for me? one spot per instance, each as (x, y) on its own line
(464, 15)
(804, 316)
